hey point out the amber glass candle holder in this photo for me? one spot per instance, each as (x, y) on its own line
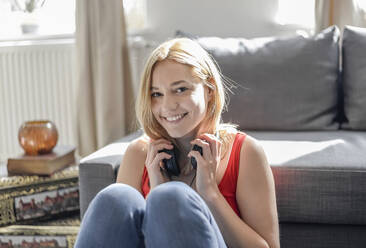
(37, 137)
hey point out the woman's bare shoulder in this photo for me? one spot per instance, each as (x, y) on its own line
(133, 162)
(241, 132)
(252, 151)
(139, 145)
(251, 141)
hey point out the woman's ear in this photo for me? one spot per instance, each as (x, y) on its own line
(211, 91)
(210, 94)
(210, 83)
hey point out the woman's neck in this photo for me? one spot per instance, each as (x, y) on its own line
(185, 146)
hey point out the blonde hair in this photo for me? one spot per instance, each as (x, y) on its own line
(188, 52)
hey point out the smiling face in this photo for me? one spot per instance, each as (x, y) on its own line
(178, 98)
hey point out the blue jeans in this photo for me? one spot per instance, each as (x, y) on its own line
(173, 215)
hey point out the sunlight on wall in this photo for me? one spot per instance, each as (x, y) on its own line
(136, 14)
(361, 4)
(299, 12)
(294, 149)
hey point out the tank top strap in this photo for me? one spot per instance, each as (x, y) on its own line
(239, 139)
(232, 170)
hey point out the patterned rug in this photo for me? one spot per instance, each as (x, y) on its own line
(59, 232)
(38, 211)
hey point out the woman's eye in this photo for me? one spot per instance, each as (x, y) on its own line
(155, 94)
(181, 89)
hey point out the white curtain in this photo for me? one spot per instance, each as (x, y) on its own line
(338, 12)
(105, 96)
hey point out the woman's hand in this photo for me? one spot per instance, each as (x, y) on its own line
(207, 163)
(154, 161)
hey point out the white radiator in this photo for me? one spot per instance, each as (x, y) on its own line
(37, 81)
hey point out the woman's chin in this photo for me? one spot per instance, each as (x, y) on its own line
(184, 134)
(176, 135)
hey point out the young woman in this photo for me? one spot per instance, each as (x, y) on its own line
(226, 200)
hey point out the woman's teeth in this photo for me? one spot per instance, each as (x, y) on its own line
(174, 118)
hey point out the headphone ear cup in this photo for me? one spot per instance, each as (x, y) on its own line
(171, 165)
(193, 159)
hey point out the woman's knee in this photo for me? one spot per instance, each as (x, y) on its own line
(120, 196)
(178, 210)
(171, 195)
(118, 208)
(170, 191)
(115, 204)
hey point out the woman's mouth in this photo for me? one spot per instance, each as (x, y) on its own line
(175, 118)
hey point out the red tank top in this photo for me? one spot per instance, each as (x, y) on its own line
(227, 185)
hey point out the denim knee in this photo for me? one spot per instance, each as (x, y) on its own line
(120, 196)
(180, 214)
(123, 203)
(117, 209)
(176, 195)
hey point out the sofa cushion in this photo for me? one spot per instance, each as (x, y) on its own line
(99, 169)
(321, 236)
(320, 176)
(354, 77)
(283, 83)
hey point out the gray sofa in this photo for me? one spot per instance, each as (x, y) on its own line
(306, 103)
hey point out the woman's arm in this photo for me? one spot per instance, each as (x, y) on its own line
(256, 200)
(132, 165)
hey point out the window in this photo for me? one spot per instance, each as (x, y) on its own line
(136, 14)
(54, 17)
(361, 4)
(299, 13)
(49, 17)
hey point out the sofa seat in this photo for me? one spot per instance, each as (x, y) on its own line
(320, 176)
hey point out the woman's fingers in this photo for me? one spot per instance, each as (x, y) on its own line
(162, 146)
(211, 148)
(206, 150)
(158, 159)
(154, 160)
(197, 156)
(215, 143)
(155, 147)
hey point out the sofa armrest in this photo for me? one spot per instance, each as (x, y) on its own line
(99, 169)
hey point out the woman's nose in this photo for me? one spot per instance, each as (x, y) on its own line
(170, 102)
